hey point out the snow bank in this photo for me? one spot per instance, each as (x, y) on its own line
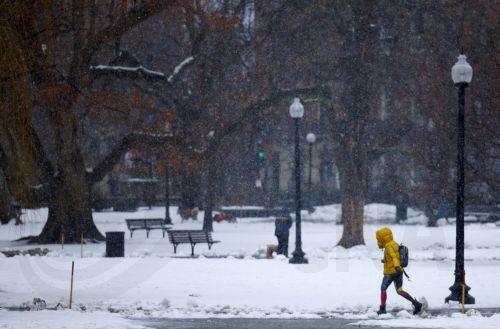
(373, 213)
(206, 285)
(63, 319)
(456, 321)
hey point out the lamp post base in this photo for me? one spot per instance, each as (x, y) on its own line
(456, 294)
(298, 257)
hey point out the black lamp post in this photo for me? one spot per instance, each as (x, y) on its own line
(168, 220)
(462, 76)
(209, 200)
(297, 112)
(311, 138)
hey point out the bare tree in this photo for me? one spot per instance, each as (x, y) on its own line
(58, 54)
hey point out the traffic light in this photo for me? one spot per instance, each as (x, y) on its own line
(261, 158)
(263, 151)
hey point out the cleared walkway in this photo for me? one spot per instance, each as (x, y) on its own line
(251, 324)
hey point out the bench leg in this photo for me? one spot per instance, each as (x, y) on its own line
(131, 232)
(163, 231)
(192, 249)
(209, 246)
(147, 234)
(175, 248)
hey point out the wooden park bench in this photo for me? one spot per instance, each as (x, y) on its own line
(482, 214)
(192, 237)
(147, 224)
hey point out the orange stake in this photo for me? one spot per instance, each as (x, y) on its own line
(71, 287)
(463, 292)
(81, 245)
(463, 298)
(62, 240)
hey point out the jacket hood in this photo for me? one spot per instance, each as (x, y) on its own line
(384, 236)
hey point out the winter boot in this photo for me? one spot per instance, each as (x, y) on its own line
(381, 310)
(417, 307)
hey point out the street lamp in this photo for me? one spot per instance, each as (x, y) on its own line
(209, 201)
(168, 220)
(297, 112)
(461, 74)
(311, 138)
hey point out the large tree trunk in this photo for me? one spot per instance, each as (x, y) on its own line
(70, 213)
(352, 160)
(354, 175)
(354, 136)
(70, 210)
(352, 213)
(353, 171)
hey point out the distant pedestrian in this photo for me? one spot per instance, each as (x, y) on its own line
(393, 271)
(282, 231)
(402, 200)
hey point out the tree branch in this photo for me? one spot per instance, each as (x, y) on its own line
(125, 23)
(141, 72)
(107, 164)
(251, 112)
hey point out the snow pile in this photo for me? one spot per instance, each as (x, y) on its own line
(63, 319)
(328, 213)
(471, 320)
(373, 213)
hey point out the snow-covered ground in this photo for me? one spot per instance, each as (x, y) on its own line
(232, 280)
(64, 319)
(472, 319)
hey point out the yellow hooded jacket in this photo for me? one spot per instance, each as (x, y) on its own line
(391, 250)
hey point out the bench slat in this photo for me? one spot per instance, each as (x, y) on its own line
(192, 237)
(147, 224)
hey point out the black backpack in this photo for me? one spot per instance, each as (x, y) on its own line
(403, 255)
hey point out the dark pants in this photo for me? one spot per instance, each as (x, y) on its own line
(282, 244)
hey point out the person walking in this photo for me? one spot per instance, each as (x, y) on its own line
(393, 271)
(282, 231)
